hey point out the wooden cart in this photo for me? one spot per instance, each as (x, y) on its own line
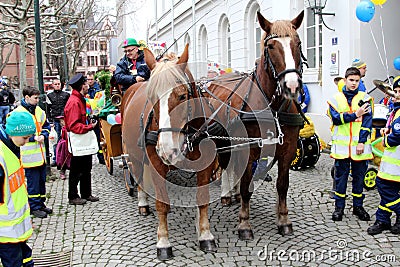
(111, 143)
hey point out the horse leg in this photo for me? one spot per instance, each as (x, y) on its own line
(205, 237)
(143, 203)
(246, 185)
(282, 185)
(164, 248)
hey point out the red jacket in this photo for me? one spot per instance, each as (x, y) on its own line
(75, 114)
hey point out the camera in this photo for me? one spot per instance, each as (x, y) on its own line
(94, 117)
(360, 103)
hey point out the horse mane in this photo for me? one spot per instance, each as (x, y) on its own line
(165, 76)
(281, 28)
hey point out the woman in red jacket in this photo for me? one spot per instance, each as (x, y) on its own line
(77, 121)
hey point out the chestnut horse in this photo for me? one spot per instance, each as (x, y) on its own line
(156, 120)
(272, 89)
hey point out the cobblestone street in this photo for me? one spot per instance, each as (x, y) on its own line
(111, 233)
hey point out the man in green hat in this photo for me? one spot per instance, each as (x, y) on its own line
(15, 222)
(131, 68)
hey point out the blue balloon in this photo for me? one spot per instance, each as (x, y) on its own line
(396, 63)
(111, 119)
(365, 11)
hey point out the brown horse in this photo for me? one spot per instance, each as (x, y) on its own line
(156, 120)
(268, 94)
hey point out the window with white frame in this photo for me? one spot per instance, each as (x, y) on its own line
(225, 43)
(254, 33)
(203, 47)
(187, 39)
(313, 39)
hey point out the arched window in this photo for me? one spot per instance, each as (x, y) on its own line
(253, 33)
(203, 46)
(225, 42)
(186, 39)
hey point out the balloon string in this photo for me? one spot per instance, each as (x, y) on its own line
(384, 46)
(377, 48)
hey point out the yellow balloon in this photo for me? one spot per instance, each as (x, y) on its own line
(378, 2)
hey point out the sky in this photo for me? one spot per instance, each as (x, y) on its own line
(136, 22)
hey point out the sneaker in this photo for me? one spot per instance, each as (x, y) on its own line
(77, 201)
(62, 176)
(92, 199)
(361, 213)
(378, 228)
(39, 214)
(47, 210)
(337, 215)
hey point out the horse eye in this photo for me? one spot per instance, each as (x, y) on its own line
(182, 97)
(270, 46)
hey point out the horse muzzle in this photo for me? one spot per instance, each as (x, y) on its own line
(171, 152)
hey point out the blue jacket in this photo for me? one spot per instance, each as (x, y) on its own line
(123, 74)
(361, 87)
(306, 96)
(93, 90)
(349, 117)
(393, 139)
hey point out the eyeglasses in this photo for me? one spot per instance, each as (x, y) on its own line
(130, 50)
(89, 79)
(56, 83)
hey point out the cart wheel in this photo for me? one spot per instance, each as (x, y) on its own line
(108, 160)
(370, 179)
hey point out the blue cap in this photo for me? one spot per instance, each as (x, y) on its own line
(20, 123)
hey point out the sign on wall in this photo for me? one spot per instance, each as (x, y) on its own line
(334, 66)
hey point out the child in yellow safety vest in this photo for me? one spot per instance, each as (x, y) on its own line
(15, 220)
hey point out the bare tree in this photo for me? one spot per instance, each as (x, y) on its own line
(56, 17)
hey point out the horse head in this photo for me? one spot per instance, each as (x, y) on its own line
(281, 54)
(169, 90)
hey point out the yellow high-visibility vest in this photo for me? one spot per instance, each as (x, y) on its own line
(33, 154)
(389, 169)
(15, 220)
(345, 136)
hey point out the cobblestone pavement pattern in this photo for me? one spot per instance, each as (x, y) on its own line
(111, 233)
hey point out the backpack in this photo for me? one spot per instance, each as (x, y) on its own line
(63, 157)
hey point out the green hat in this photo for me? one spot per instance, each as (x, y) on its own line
(20, 123)
(130, 42)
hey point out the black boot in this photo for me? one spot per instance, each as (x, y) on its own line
(361, 213)
(378, 228)
(395, 229)
(337, 215)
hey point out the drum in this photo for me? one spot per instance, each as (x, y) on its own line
(307, 154)
(380, 116)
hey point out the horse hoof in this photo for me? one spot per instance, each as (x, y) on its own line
(226, 201)
(238, 198)
(286, 229)
(164, 254)
(246, 234)
(208, 246)
(144, 211)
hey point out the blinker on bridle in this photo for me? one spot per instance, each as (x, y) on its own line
(268, 63)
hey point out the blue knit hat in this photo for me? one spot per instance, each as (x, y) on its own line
(20, 124)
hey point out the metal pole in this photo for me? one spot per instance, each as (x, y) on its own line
(39, 64)
(194, 37)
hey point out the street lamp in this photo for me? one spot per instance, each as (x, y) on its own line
(317, 6)
(66, 77)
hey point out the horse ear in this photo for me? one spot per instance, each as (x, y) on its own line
(298, 20)
(149, 58)
(264, 24)
(184, 57)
